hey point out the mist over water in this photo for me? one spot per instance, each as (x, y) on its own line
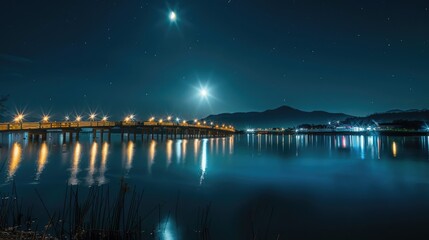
(306, 186)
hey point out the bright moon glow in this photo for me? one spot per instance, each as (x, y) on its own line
(172, 16)
(203, 92)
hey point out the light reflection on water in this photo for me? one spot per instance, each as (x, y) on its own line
(92, 161)
(41, 162)
(104, 153)
(73, 180)
(15, 160)
(302, 171)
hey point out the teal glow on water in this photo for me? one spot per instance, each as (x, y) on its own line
(293, 186)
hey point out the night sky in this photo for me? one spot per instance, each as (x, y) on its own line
(121, 57)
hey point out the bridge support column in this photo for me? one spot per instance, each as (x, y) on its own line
(94, 134)
(109, 135)
(64, 137)
(135, 135)
(77, 135)
(101, 135)
(122, 135)
(44, 136)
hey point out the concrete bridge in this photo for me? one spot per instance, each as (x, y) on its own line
(130, 129)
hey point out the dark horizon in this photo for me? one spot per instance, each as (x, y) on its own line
(130, 57)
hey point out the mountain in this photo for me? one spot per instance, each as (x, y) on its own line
(282, 117)
(408, 115)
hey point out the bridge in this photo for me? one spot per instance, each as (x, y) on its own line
(149, 129)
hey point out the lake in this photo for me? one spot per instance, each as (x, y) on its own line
(242, 187)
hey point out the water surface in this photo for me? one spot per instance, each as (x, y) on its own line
(268, 186)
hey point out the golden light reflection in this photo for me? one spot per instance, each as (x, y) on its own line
(41, 162)
(75, 164)
(196, 148)
(104, 153)
(169, 151)
(184, 144)
(151, 155)
(394, 149)
(203, 161)
(130, 155)
(223, 146)
(15, 160)
(231, 145)
(92, 160)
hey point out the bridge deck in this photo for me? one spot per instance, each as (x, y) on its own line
(28, 126)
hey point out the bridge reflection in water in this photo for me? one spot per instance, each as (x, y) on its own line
(88, 162)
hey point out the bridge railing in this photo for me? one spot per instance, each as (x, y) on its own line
(53, 125)
(92, 124)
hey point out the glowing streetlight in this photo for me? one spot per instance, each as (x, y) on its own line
(19, 117)
(67, 118)
(204, 122)
(132, 116)
(151, 119)
(78, 118)
(104, 118)
(184, 121)
(177, 119)
(92, 116)
(45, 118)
(211, 123)
(195, 120)
(169, 118)
(160, 120)
(127, 119)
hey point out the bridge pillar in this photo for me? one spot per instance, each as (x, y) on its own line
(64, 136)
(109, 135)
(77, 135)
(101, 135)
(128, 134)
(135, 135)
(94, 134)
(122, 134)
(44, 136)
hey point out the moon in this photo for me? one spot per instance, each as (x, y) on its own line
(172, 16)
(204, 92)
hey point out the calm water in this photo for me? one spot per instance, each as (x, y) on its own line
(289, 187)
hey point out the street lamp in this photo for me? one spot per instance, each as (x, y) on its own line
(92, 116)
(78, 118)
(18, 117)
(45, 118)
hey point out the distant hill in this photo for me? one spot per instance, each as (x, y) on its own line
(283, 116)
(394, 115)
